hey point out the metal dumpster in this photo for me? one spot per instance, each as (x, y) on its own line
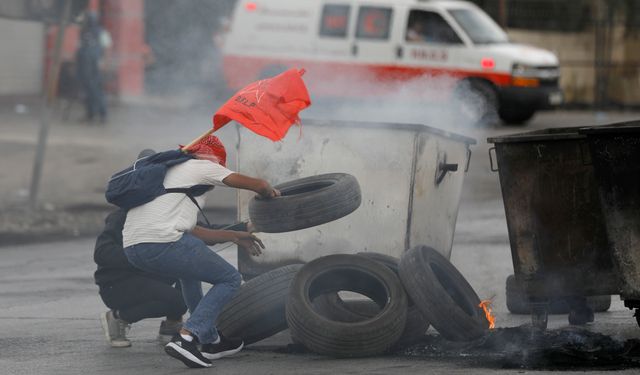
(615, 153)
(556, 228)
(410, 177)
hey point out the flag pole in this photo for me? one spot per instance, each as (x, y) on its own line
(186, 148)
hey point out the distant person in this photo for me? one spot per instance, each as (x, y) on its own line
(93, 40)
(162, 236)
(132, 294)
(417, 32)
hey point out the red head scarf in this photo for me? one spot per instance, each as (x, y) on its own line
(210, 145)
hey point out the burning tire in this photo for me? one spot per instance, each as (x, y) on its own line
(517, 302)
(306, 202)
(342, 272)
(257, 311)
(442, 294)
(332, 306)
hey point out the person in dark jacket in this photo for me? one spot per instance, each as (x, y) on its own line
(131, 294)
(88, 58)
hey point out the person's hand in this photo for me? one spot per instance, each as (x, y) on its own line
(250, 227)
(272, 194)
(250, 243)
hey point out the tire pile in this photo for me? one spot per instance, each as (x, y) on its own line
(404, 297)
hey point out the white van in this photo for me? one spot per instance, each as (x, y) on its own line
(386, 44)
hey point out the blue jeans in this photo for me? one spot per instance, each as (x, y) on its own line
(190, 260)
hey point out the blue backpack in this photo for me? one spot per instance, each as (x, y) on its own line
(143, 181)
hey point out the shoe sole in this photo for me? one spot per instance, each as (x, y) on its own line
(223, 354)
(184, 356)
(105, 329)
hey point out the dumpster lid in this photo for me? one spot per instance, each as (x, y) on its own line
(625, 127)
(549, 134)
(394, 125)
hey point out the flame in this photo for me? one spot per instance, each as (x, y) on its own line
(486, 306)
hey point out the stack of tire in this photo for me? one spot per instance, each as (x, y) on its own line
(403, 296)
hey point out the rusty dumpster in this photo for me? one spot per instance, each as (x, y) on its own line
(615, 155)
(556, 228)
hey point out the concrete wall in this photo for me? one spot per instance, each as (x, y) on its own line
(21, 46)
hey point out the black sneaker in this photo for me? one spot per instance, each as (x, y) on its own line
(187, 352)
(225, 346)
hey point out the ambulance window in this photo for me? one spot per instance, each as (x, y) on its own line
(430, 27)
(335, 20)
(374, 23)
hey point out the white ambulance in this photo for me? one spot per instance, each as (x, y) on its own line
(375, 47)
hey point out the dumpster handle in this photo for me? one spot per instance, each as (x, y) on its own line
(466, 169)
(493, 169)
(443, 168)
(586, 157)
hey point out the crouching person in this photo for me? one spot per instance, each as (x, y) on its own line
(162, 237)
(132, 294)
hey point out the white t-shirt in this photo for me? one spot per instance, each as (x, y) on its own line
(167, 217)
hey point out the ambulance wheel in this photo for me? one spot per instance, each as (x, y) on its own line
(306, 202)
(515, 115)
(476, 103)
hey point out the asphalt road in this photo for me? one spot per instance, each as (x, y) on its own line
(49, 305)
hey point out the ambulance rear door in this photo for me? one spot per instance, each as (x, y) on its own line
(372, 46)
(335, 31)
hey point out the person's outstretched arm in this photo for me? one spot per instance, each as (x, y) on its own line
(258, 185)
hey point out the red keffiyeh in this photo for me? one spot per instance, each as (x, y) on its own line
(210, 145)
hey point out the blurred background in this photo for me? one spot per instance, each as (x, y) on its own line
(156, 51)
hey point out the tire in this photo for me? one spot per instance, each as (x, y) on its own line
(306, 202)
(581, 317)
(257, 310)
(517, 302)
(476, 103)
(442, 294)
(333, 307)
(346, 272)
(599, 303)
(515, 115)
(416, 325)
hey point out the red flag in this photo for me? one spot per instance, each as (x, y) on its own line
(268, 107)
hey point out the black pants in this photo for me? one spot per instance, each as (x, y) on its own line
(137, 298)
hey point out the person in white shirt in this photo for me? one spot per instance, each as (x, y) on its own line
(162, 237)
